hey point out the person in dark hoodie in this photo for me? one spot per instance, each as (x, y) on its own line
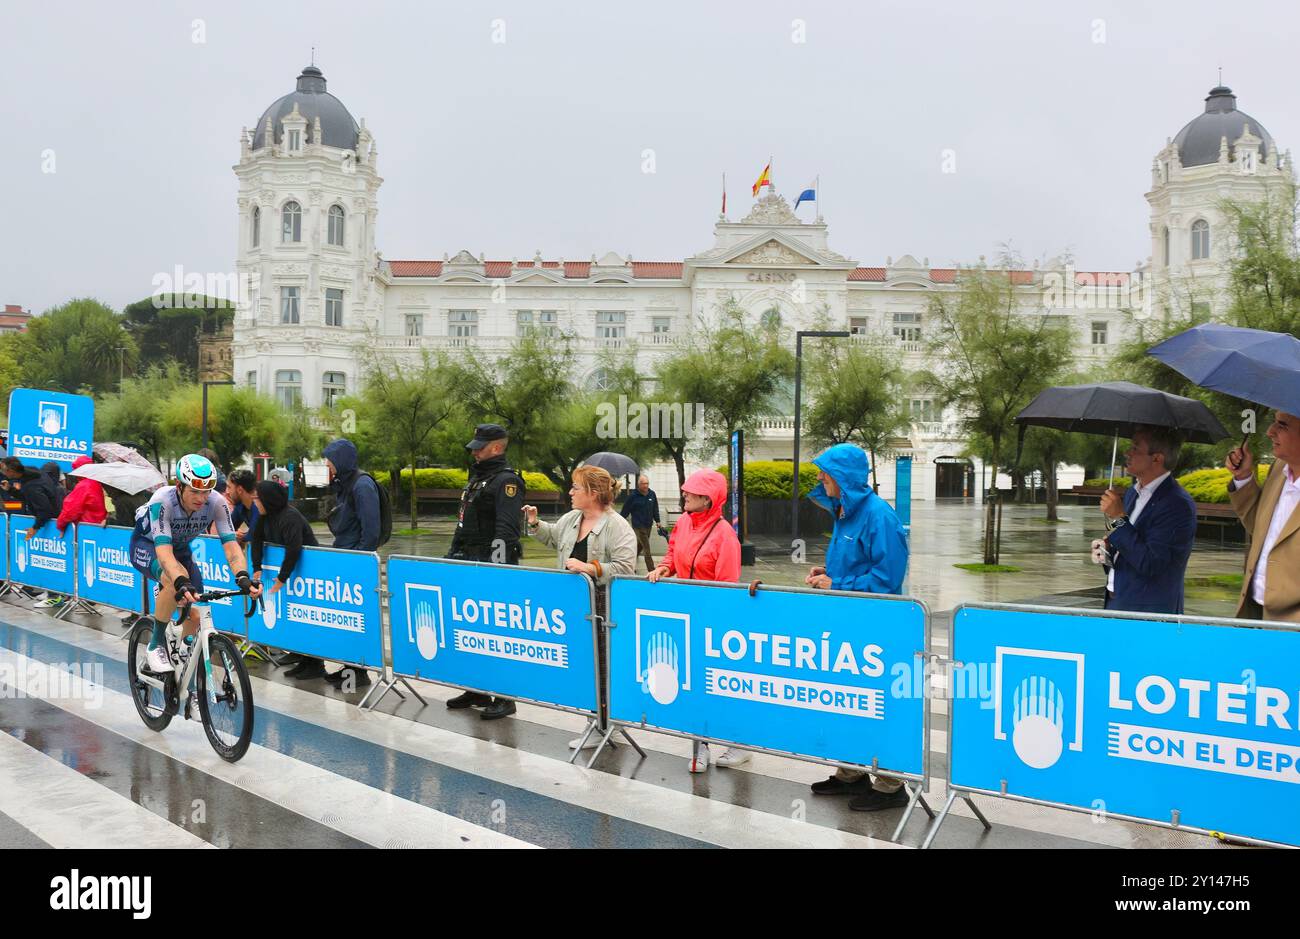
(867, 552)
(42, 494)
(278, 523)
(354, 522)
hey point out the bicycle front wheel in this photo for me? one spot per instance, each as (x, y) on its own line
(225, 699)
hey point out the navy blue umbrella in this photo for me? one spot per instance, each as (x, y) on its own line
(1251, 364)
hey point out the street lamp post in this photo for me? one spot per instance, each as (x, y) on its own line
(798, 379)
(205, 406)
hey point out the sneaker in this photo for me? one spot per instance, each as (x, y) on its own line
(469, 699)
(39, 599)
(500, 707)
(127, 615)
(700, 760)
(733, 756)
(837, 787)
(48, 602)
(157, 661)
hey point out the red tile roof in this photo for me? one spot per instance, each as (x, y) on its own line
(867, 273)
(496, 269)
(657, 270)
(943, 275)
(577, 268)
(1021, 277)
(415, 268)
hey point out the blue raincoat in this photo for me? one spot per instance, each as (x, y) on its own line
(867, 551)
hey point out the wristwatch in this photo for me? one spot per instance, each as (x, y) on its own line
(1116, 522)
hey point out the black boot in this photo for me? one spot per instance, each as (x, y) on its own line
(469, 699)
(360, 676)
(500, 707)
(307, 669)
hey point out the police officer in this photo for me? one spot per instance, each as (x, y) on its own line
(488, 530)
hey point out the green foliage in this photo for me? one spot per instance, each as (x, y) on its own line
(1203, 485)
(737, 368)
(858, 392)
(135, 414)
(78, 347)
(990, 568)
(770, 479)
(239, 421)
(435, 478)
(171, 334)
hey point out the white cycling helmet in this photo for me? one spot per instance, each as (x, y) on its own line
(196, 472)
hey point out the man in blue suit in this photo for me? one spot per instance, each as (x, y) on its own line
(1152, 525)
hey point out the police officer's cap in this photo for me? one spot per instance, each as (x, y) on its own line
(485, 434)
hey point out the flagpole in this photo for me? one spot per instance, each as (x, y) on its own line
(817, 197)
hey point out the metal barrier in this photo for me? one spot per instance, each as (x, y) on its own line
(501, 630)
(1178, 721)
(45, 561)
(827, 676)
(329, 608)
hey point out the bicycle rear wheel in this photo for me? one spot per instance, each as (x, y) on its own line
(226, 701)
(150, 703)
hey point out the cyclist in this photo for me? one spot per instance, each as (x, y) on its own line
(160, 548)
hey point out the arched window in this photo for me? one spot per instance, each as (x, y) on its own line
(1200, 239)
(257, 226)
(288, 388)
(291, 222)
(600, 380)
(771, 319)
(1166, 246)
(336, 225)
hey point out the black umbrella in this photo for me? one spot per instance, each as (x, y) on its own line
(1117, 408)
(616, 464)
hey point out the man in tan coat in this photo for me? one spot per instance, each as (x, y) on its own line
(1271, 515)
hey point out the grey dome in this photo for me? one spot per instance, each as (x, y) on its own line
(1198, 141)
(338, 129)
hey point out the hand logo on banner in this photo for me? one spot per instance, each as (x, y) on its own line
(1036, 736)
(52, 418)
(426, 630)
(661, 679)
(20, 551)
(88, 562)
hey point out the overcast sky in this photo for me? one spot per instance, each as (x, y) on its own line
(537, 142)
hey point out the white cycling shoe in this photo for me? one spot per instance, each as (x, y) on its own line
(157, 661)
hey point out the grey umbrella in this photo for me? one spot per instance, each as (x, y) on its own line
(616, 464)
(1118, 408)
(128, 477)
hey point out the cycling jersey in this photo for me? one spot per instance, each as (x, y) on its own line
(163, 520)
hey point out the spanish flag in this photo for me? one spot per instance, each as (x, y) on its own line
(764, 178)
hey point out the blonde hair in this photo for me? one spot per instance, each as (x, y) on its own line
(598, 482)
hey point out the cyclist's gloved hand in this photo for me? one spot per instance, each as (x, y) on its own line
(243, 582)
(184, 590)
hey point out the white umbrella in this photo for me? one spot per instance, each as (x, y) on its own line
(128, 477)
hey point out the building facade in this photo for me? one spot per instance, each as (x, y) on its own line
(323, 295)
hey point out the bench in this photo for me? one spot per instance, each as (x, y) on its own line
(450, 499)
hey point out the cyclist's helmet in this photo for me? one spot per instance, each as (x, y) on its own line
(197, 472)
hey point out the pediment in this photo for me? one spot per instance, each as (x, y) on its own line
(774, 252)
(538, 278)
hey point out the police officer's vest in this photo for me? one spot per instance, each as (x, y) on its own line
(478, 515)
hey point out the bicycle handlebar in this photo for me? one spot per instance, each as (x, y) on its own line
(249, 608)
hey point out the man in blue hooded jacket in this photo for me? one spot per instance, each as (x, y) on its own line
(355, 524)
(867, 552)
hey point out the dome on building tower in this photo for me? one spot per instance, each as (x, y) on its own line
(1198, 141)
(338, 129)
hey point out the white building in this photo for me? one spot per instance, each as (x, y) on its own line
(308, 204)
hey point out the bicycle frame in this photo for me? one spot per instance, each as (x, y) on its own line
(185, 674)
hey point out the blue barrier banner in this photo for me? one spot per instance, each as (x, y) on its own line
(1131, 717)
(817, 674)
(45, 560)
(903, 490)
(517, 632)
(47, 426)
(4, 555)
(329, 608)
(104, 571)
(210, 557)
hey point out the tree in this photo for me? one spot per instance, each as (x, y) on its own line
(996, 354)
(858, 395)
(409, 403)
(736, 368)
(1264, 283)
(79, 346)
(171, 334)
(135, 413)
(240, 421)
